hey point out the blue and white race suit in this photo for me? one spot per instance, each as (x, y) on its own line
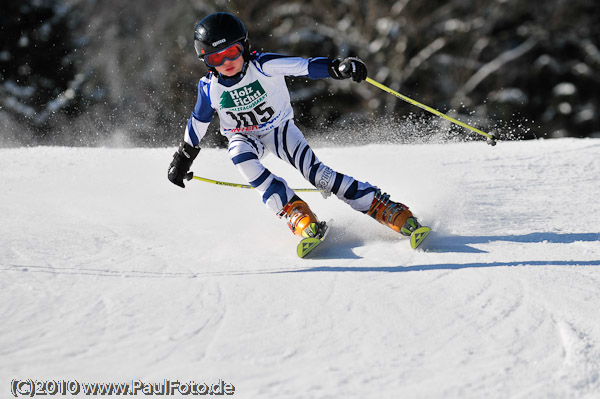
(256, 116)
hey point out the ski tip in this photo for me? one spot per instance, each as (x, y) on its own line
(418, 236)
(307, 245)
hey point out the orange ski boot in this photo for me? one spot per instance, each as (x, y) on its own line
(300, 218)
(392, 214)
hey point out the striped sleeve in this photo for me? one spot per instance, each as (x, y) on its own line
(202, 115)
(272, 64)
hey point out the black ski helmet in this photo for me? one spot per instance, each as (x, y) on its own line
(219, 31)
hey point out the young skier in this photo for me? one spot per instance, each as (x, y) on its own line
(249, 93)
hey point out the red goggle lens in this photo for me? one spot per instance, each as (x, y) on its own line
(231, 53)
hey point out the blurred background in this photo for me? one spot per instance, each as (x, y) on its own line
(114, 73)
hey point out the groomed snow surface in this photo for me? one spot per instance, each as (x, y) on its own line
(109, 273)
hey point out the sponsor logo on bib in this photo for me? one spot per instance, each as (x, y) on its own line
(244, 98)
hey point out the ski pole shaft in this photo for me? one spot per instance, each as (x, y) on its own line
(190, 176)
(491, 139)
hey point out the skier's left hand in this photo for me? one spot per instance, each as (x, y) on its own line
(351, 67)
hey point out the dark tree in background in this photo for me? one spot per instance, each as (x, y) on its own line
(108, 72)
(38, 66)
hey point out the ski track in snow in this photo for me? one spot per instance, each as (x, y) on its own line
(110, 273)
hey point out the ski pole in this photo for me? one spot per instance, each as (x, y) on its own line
(190, 176)
(491, 139)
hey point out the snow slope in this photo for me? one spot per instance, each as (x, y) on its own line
(109, 273)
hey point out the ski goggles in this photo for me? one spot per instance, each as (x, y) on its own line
(230, 53)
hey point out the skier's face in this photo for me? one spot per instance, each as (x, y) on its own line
(230, 68)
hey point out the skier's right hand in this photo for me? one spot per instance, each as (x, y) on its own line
(182, 160)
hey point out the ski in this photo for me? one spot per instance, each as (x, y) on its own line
(307, 245)
(418, 236)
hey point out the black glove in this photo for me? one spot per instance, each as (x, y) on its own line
(182, 160)
(349, 68)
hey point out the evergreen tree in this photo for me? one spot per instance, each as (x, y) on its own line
(38, 71)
